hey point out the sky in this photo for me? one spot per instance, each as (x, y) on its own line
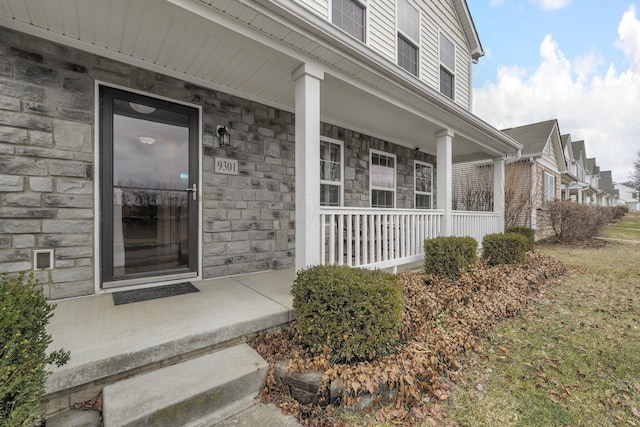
(577, 61)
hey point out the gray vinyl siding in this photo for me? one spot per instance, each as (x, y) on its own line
(382, 27)
(321, 7)
(440, 16)
(436, 16)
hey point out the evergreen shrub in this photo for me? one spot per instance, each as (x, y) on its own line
(527, 232)
(507, 248)
(25, 314)
(447, 256)
(356, 313)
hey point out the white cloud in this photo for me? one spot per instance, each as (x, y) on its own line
(549, 5)
(629, 37)
(601, 107)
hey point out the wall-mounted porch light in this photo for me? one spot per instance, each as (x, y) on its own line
(224, 139)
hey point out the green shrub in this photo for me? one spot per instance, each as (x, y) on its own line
(507, 248)
(356, 313)
(447, 256)
(527, 232)
(23, 357)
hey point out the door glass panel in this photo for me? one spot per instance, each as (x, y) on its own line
(151, 209)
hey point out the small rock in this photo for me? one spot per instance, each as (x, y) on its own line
(480, 388)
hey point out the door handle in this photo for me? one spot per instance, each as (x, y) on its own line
(193, 190)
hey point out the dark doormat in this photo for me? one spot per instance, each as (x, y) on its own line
(137, 295)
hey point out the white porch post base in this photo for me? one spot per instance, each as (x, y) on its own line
(307, 151)
(444, 153)
(498, 189)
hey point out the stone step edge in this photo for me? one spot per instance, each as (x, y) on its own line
(196, 392)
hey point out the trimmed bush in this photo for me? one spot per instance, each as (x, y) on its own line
(23, 357)
(527, 232)
(356, 313)
(507, 248)
(447, 256)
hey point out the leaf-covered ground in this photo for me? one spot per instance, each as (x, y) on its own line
(443, 323)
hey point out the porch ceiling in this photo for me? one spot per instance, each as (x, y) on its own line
(250, 49)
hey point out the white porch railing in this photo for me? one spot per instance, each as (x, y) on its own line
(387, 238)
(380, 238)
(476, 224)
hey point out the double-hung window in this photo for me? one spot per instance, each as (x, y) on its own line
(349, 16)
(331, 177)
(548, 186)
(408, 36)
(383, 180)
(423, 175)
(447, 66)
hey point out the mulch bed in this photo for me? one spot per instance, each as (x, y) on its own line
(443, 322)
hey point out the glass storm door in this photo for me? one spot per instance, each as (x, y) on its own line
(149, 189)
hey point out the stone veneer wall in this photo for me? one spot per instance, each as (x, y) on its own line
(47, 168)
(47, 149)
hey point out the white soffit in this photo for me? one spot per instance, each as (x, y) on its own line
(227, 45)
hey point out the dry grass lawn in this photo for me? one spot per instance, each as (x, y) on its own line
(628, 228)
(573, 360)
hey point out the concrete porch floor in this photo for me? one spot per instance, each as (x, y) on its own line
(108, 341)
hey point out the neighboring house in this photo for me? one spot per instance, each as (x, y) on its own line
(535, 178)
(582, 190)
(609, 197)
(593, 173)
(628, 196)
(573, 176)
(151, 142)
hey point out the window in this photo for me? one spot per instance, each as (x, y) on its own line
(447, 66)
(408, 36)
(423, 185)
(331, 173)
(383, 180)
(548, 186)
(349, 15)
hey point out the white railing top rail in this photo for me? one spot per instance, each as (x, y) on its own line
(475, 213)
(340, 210)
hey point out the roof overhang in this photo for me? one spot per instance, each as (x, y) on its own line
(250, 49)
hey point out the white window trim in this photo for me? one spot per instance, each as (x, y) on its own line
(364, 4)
(335, 183)
(415, 184)
(442, 65)
(405, 36)
(545, 188)
(395, 175)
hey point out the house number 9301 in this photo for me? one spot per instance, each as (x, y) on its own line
(225, 166)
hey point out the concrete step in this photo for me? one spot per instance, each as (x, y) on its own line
(196, 393)
(260, 415)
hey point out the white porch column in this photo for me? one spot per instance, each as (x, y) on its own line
(307, 154)
(498, 189)
(579, 195)
(444, 158)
